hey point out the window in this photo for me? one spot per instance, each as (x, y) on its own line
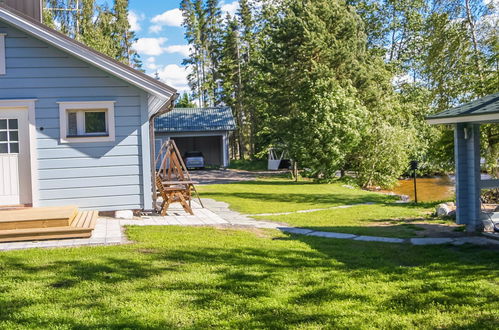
(9, 136)
(87, 121)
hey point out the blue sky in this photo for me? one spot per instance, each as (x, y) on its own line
(161, 43)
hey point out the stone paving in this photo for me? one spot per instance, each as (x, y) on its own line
(110, 231)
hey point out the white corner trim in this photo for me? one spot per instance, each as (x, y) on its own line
(86, 105)
(29, 104)
(3, 67)
(464, 119)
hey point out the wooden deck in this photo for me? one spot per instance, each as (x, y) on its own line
(46, 223)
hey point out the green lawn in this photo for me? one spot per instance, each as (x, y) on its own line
(271, 195)
(378, 220)
(384, 218)
(178, 277)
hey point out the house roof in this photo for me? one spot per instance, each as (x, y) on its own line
(85, 53)
(485, 109)
(195, 120)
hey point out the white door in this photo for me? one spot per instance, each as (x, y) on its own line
(15, 176)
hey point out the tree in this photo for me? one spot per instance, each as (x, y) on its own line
(184, 102)
(99, 27)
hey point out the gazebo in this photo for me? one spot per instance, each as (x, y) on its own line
(466, 120)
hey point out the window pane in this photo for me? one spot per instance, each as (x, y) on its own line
(3, 136)
(3, 148)
(3, 123)
(14, 148)
(72, 125)
(12, 123)
(13, 136)
(95, 122)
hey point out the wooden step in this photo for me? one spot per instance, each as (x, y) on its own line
(40, 217)
(81, 227)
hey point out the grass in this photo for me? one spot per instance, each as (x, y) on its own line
(391, 220)
(272, 195)
(178, 277)
(276, 195)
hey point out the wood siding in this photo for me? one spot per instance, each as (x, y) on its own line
(31, 8)
(97, 175)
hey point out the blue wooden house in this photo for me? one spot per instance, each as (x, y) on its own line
(75, 126)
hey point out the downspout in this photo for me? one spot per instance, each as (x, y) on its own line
(152, 138)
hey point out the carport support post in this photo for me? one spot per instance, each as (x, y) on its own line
(467, 157)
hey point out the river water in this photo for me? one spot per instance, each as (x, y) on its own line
(429, 189)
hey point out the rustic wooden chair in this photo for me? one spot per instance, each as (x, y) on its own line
(172, 194)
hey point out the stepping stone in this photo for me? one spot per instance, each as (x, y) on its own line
(331, 235)
(431, 241)
(293, 230)
(379, 239)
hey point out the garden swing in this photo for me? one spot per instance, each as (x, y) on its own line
(173, 181)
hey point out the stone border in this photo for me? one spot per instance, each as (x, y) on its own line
(110, 231)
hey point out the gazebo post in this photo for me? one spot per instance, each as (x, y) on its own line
(467, 157)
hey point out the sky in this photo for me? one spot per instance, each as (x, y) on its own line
(161, 43)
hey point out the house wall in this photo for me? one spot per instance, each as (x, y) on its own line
(102, 175)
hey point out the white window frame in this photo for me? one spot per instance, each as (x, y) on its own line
(3, 69)
(81, 108)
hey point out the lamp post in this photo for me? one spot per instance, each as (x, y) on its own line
(414, 167)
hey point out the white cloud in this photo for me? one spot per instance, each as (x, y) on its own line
(134, 20)
(150, 46)
(168, 18)
(230, 8)
(151, 64)
(175, 76)
(181, 49)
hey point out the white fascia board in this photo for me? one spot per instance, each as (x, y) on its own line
(90, 57)
(464, 119)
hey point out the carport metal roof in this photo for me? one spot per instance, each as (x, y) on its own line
(196, 120)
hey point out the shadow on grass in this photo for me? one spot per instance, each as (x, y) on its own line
(268, 284)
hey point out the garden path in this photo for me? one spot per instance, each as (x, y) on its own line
(110, 231)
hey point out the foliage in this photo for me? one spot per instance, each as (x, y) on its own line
(180, 277)
(347, 84)
(185, 101)
(104, 29)
(249, 165)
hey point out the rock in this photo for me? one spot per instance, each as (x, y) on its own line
(123, 214)
(451, 205)
(348, 186)
(443, 210)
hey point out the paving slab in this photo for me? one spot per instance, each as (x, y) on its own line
(294, 230)
(431, 241)
(379, 239)
(331, 235)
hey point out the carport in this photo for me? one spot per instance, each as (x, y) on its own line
(198, 129)
(466, 120)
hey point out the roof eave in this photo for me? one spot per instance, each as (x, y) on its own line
(482, 118)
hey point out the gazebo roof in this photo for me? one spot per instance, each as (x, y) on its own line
(485, 109)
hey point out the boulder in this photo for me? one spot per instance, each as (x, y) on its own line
(443, 210)
(123, 214)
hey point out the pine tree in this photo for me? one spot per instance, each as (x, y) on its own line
(99, 27)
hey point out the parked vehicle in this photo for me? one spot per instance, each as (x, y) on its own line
(194, 159)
